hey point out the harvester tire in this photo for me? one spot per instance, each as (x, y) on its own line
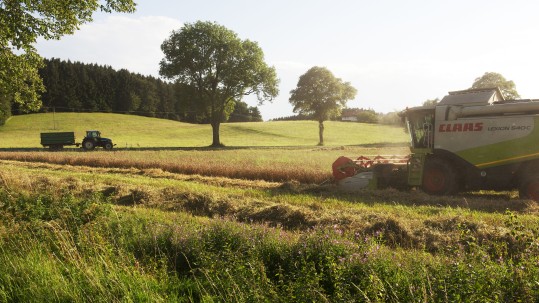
(529, 189)
(439, 177)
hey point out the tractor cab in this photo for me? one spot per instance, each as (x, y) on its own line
(93, 134)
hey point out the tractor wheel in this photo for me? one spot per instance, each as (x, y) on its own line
(88, 145)
(108, 146)
(529, 189)
(439, 177)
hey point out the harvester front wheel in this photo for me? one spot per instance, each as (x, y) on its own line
(439, 177)
(530, 189)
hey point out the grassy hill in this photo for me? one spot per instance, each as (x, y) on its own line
(135, 131)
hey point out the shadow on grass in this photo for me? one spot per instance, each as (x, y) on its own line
(493, 202)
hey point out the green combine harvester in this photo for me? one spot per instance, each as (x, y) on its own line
(470, 140)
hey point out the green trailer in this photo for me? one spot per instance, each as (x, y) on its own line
(58, 140)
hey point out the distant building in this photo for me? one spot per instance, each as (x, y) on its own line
(349, 118)
(359, 115)
(350, 114)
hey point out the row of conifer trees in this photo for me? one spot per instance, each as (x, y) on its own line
(79, 87)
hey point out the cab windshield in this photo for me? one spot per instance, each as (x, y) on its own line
(93, 134)
(420, 126)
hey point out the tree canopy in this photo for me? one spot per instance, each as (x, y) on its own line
(321, 95)
(220, 67)
(491, 79)
(21, 24)
(431, 102)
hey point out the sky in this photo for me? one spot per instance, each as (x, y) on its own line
(396, 53)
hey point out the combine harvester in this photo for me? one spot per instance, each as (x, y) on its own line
(470, 140)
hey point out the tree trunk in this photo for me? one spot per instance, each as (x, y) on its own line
(321, 132)
(215, 129)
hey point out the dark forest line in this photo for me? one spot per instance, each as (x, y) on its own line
(80, 87)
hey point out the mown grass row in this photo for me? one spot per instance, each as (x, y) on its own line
(402, 219)
(67, 248)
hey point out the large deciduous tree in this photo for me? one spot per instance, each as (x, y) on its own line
(21, 24)
(219, 66)
(490, 79)
(321, 95)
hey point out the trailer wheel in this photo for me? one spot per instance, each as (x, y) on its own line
(439, 177)
(88, 145)
(530, 188)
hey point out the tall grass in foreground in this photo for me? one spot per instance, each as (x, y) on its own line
(62, 248)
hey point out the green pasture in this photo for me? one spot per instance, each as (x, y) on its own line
(129, 131)
(142, 236)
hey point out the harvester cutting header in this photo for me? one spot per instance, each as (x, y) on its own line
(470, 140)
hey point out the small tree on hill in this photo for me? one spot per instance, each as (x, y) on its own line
(391, 118)
(321, 95)
(367, 116)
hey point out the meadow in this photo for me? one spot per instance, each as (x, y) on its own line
(130, 132)
(130, 226)
(105, 235)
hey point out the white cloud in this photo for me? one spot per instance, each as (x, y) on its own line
(291, 66)
(118, 41)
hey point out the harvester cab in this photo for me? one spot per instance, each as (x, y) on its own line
(470, 140)
(420, 125)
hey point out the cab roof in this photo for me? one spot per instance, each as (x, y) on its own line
(469, 97)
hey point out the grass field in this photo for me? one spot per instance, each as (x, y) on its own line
(272, 151)
(135, 131)
(103, 235)
(252, 222)
(305, 165)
